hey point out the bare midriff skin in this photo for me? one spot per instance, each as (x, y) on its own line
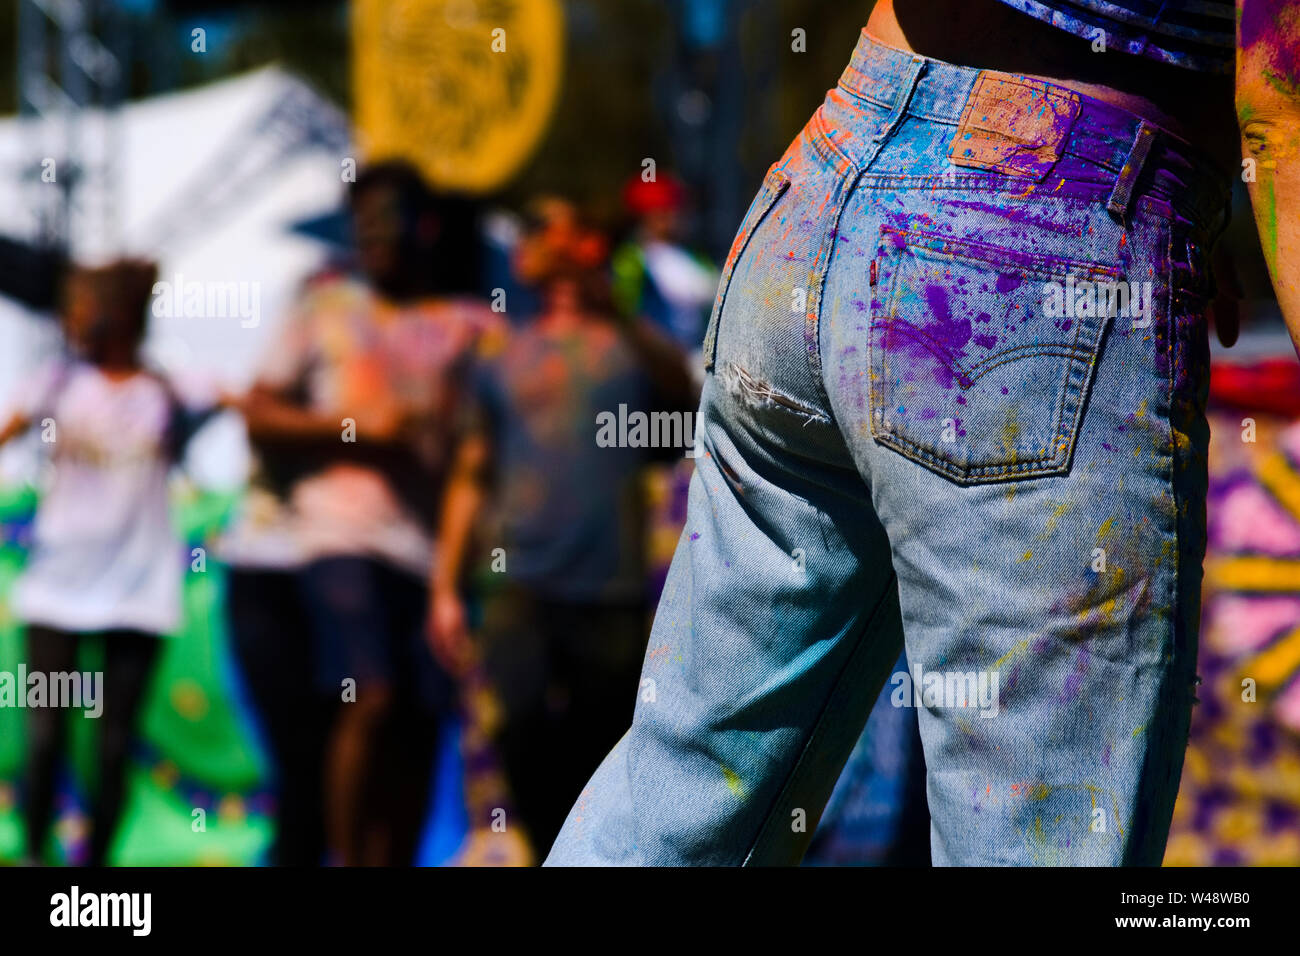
(987, 34)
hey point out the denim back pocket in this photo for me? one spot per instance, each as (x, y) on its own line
(982, 357)
(775, 183)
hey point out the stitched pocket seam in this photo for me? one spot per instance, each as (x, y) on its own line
(1081, 356)
(775, 184)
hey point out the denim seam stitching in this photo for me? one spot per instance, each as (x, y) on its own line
(1173, 442)
(991, 182)
(846, 185)
(826, 146)
(859, 95)
(1093, 160)
(897, 114)
(772, 190)
(923, 456)
(969, 376)
(986, 181)
(946, 119)
(1073, 393)
(992, 256)
(983, 474)
(1078, 373)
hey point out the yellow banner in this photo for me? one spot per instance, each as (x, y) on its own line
(462, 88)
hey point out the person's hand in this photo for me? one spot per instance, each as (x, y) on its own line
(383, 425)
(243, 403)
(448, 631)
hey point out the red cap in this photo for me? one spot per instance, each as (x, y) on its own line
(663, 194)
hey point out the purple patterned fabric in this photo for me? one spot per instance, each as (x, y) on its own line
(1195, 34)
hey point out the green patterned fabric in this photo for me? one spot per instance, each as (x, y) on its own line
(196, 750)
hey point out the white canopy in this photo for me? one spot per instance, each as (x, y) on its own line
(206, 182)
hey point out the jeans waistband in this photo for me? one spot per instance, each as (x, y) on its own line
(1141, 155)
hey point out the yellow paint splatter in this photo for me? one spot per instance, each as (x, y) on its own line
(1056, 517)
(1011, 435)
(733, 783)
(1019, 646)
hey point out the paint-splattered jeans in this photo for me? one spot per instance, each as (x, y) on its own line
(958, 366)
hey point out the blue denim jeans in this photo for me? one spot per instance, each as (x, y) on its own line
(957, 373)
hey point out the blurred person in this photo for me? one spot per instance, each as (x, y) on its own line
(361, 390)
(1015, 492)
(654, 275)
(502, 230)
(271, 638)
(106, 564)
(564, 615)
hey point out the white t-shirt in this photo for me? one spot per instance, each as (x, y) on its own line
(104, 553)
(681, 279)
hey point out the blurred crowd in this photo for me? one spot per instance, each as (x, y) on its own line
(431, 528)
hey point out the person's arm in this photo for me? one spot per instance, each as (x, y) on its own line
(271, 417)
(664, 364)
(462, 504)
(16, 425)
(34, 398)
(1268, 111)
(273, 413)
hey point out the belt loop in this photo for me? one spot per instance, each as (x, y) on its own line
(1122, 195)
(913, 76)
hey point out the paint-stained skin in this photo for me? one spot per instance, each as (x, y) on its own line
(1268, 112)
(1008, 487)
(1272, 26)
